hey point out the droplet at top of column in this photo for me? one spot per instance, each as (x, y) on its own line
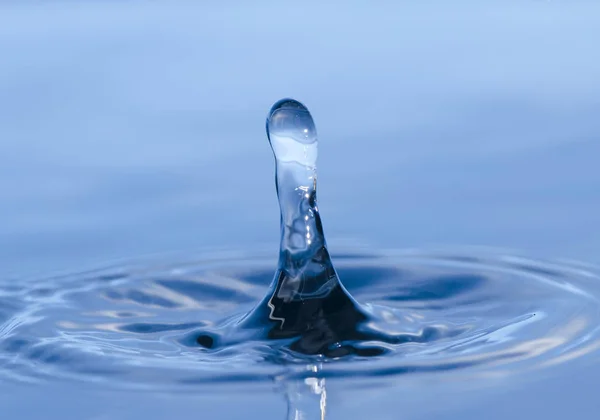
(292, 133)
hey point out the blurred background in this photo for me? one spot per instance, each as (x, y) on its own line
(136, 128)
(129, 128)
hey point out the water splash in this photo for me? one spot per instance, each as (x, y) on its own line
(306, 300)
(305, 270)
(183, 324)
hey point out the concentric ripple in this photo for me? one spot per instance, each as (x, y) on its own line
(448, 312)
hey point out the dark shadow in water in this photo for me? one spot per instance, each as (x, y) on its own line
(141, 298)
(366, 277)
(352, 257)
(15, 344)
(437, 288)
(543, 271)
(148, 328)
(259, 278)
(110, 277)
(202, 292)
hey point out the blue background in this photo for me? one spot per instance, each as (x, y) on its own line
(137, 128)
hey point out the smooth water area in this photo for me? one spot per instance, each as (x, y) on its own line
(458, 187)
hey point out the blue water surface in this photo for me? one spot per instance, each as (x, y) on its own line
(136, 129)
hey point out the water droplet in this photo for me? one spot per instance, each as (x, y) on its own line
(292, 133)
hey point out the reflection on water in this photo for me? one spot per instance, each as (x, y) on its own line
(307, 399)
(111, 330)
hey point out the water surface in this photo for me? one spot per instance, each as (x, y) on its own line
(132, 136)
